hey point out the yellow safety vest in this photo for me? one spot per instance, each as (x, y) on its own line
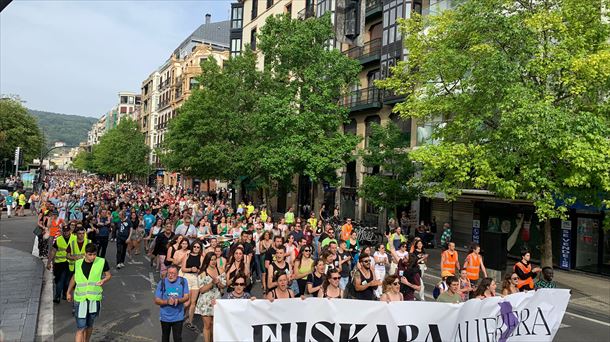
(75, 251)
(86, 288)
(62, 245)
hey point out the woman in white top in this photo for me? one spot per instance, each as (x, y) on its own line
(269, 224)
(381, 261)
(397, 255)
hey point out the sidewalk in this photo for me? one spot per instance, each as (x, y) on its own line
(590, 292)
(20, 288)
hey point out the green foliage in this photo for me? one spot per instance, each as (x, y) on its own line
(524, 89)
(268, 124)
(212, 133)
(71, 129)
(84, 161)
(18, 128)
(122, 151)
(392, 185)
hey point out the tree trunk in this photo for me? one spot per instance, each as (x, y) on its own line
(547, 248)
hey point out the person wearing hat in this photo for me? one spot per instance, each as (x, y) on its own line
(59, 261)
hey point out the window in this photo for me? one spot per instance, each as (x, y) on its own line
(193, 83)
(289, 9)
(269, 3)
(131, 99)
(369, 121)
(237, 17)
(350, 128)
(235, 47)
(253, 39)
(123, 99)
(254, 9)
(123, 110)
(350, 175)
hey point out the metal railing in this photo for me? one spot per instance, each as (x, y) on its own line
(307, 12)
(368, 49)
(362, 97)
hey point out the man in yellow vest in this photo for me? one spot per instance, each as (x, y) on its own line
(76, 247)
(58, 259)
(86, 290)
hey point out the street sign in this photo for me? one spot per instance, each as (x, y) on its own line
(476, 231)
(566, 245)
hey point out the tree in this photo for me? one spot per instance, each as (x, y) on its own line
(268, 125)
(122, 151)
(84, 161)
(18, 128)
(523, 88)
(210, 136)
(299, 118)
(390, 185)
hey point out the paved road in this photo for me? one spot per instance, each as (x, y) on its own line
(129, 314)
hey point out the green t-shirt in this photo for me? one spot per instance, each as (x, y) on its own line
(289, 216)
(115, 217)
(446, 297)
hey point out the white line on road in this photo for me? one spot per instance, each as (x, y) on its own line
(45, 312)
(588, 319)
(151, 278)
(123, 283)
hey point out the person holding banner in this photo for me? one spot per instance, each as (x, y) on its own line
(391, 290)
(364, 279)
(281, 291)
(525, 272)
(486, 289)
(330, 287)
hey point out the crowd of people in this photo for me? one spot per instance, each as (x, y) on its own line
(204, 249)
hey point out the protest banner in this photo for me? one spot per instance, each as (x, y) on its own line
(533, 316)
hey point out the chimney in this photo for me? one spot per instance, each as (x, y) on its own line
(208, 18)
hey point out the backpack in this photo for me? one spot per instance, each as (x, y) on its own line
(163, 284)
(437, 289)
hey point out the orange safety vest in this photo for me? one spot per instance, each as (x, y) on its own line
(529, 282)
(449, 262)
(474, 265)
(54, 229)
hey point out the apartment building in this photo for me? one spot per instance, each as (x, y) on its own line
(97, 130)
(166, 89)
(365, 30)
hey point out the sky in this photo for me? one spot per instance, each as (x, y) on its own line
(73, 57)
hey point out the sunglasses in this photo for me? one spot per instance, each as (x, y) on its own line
(239, 284)
(396, 283)
(307, 250)
(335, 278)
(196, 247)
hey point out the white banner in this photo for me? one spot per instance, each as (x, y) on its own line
(532, 316)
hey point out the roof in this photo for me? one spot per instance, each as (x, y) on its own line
(212, 33)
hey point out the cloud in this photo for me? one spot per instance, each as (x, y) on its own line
(74, 57)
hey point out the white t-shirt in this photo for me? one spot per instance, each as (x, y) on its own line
(187, 231)
(384, 257)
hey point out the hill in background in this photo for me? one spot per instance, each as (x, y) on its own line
(71, 129)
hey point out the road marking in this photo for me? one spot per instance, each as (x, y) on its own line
(151, 279)
(564, 326)
(135, 262)
(123, 283)
(45, 312)
(588, 319)
(6, 240)
(147, 258)
(133, 296)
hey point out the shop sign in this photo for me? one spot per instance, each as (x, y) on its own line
(566, 242)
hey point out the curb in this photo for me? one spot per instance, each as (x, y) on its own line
(44, 331)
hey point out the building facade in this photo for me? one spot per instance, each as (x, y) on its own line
(166, 89)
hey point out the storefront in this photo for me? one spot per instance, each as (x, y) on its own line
(579, 242)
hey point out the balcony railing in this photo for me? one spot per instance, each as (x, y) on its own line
(363, 99)
(366, 53)
(164, 84)
(307, 12)
(373, 8)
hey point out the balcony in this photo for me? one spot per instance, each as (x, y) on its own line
(367, 53)
(307, 12)
(163, 84)
(363, 99)
(373, 9)
(389, 97)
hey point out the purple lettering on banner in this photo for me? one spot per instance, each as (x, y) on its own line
(509, 318)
